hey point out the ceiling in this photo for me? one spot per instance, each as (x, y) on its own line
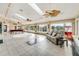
(22, 11)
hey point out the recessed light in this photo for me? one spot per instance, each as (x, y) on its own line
(20, 16)
(21, 10)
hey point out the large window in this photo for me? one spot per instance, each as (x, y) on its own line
(5, 28)
(32, 28)
(57, 27)
(42, 28)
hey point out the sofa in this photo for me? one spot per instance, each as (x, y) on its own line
(55, 37)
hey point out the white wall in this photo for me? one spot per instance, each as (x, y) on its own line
(78, 27)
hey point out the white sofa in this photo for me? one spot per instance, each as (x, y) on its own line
(51, 38)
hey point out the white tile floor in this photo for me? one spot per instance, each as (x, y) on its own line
(15, 45)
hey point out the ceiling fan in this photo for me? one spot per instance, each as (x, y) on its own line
(52, 13)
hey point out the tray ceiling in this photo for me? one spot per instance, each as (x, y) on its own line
(35, 11)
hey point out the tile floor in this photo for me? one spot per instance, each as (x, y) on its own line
(15, 45)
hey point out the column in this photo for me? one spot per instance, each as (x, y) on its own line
(73, 27)
(76, 27)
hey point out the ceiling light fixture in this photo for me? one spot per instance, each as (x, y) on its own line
(52, 13)
(36, 8)
(22, 17)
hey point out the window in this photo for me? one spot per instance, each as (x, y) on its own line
(5, 28)
(68, 27)
(42, 28)
(57, 27)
